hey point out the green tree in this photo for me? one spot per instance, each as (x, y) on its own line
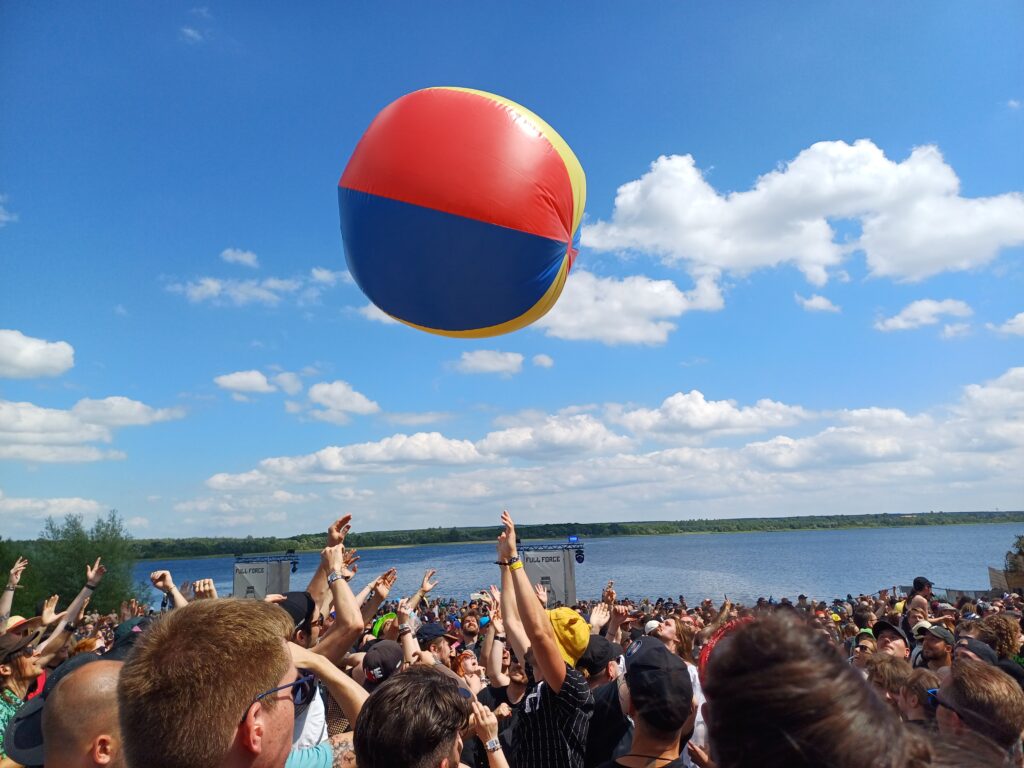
(57, 561)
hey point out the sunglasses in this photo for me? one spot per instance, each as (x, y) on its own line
(935, 702)
(303, 689)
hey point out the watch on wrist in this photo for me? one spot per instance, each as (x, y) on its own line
(492, 745)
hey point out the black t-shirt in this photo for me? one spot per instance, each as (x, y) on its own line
(611, 732)
(493, 696)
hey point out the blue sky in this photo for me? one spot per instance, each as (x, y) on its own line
(800, 289)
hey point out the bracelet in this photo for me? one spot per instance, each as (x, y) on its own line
(404, 626)
(406, 631)
(9, 588)
(333, 577)
(500, 639)
(70, 628)
(509, 562)
(91, 587)
(516, 565)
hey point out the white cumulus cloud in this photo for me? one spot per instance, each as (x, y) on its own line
(122, 412)
(914, 222)
(239, 256)
(245, 381)
(543, 361)
(630, 310)
(490, 361)
(25, 357)
(1014, 326)
(289, 382)
(377, 315)
(576, 433)
(924, 312)
(815, 303)
(339, 400)
(690, 413)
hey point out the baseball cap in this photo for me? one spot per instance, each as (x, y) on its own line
(651, 625)
(378, 625)
(23, 739)
(430, 632)
(884, 626)
(919, 629)
(572, 633)
(945, 607)
(941, 632)
(659, 684)
(920, 583)
(125, 636)
(600, 650)
(300, 607)
(380, 662)
(983, 651)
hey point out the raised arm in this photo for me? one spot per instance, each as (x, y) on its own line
(162, 580)
(546, 656)
(7, 597)
(348, 620)
(406, 637)
(426, 585)
(336, 533)
(517, 638)
(492, 652)
(349, 694)
(93, 577)
(381, 588)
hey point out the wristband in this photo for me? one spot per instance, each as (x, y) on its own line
(9, 588)
(404, 626)
(510, 561)
(333, 577)
(516, 565)
(90, 587)
(404, 632)
(500, 638)
(70, 628)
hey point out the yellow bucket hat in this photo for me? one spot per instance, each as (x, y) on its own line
(572, 633)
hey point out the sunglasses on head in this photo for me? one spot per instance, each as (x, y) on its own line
(302, 688)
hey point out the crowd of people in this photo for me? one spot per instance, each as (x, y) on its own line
(331, 677)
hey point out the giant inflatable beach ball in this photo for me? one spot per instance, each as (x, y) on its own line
(460, 212)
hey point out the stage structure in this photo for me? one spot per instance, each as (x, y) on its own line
(554, 566)
(257, 576)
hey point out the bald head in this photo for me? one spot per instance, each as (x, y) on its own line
(80, 718)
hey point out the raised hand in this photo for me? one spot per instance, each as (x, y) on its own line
(338, 530)
(484, 722)
(599, 616)
(95, 574)
(16, 570)
(402, 611)
(205, 589)
(50, 614)
(542, 594)
(507, 538)
(162, 580)
(608, 595)
(350, 560)
(382, 586)
(426, 584)
(333, 560)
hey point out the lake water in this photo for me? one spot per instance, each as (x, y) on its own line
(823, 564)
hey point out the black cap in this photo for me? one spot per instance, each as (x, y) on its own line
(430, 632)
(600, 650)
(380, 662)
(982, 650)
(11, 645)
(920, 583)
(884, 626)
(300, 607)
(659, 684)
(23, 739)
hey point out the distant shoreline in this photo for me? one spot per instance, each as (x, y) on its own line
(305, 543)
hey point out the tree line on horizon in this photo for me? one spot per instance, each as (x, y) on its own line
(152, 549)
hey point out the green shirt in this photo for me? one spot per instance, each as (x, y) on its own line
(9, 706)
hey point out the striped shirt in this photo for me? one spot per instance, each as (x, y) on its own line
(552, 728)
